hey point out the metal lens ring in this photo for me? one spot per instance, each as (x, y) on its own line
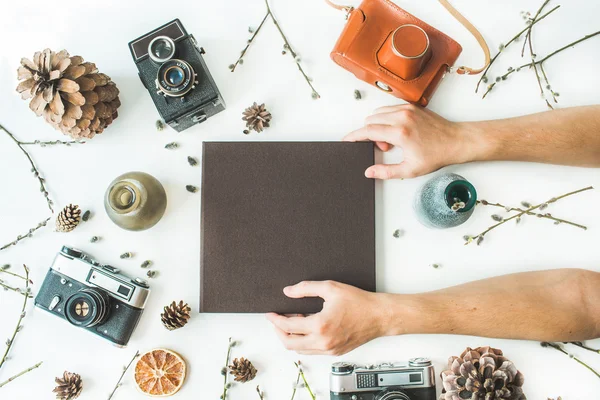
(176, 78)
(87, 308)
(161, 49)
(394, 395)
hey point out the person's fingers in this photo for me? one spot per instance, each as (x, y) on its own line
(383, 146)
(383, 119)
(290, 324)
(293, 342)
(309, 289)
(391, 171)
(376, 133)
(391, 109)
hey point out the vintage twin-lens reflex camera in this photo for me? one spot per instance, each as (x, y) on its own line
(414, 380)
(93, 296)
(171, 67)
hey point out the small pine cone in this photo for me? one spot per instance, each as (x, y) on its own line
(69, 386)
(257, 117)
(176, 315)
(68, 219)
(243, 370)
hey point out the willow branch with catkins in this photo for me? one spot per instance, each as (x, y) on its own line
(301, 375)
(537, 66)
(542, 206)
(557, 221)
(227, 385)
(287, 48)
(558, 347)
(26, 293)
(584, 346)
(125, 368)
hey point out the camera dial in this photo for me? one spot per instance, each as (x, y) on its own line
(71, 252)
(161, 49)
(342, 368)
(87, 308)
(419, 362)
(175, 78)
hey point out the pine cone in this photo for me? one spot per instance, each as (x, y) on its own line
(69, 386)
(482, 374)
(68, 218)
(73, 97)
(175, 315)
(243, 370)
(257, 117)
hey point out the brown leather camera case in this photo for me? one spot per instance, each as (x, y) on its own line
(363, 49)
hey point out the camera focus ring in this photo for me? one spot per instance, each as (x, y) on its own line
(175, 78)
(87, 308)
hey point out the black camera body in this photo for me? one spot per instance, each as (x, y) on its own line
(93, 296)
(173, 71)
(414, 380)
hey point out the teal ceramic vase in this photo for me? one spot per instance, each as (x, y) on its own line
(445, 201)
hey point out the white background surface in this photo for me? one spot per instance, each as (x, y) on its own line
(100, 31)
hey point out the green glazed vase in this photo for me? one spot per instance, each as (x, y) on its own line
(434, 201)
(135, 201)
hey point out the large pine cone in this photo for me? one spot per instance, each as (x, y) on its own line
(69, 386)
(243, 370)
(68, 219)
(176, 315)
(257, 117)
(70, 93)
(482, 374)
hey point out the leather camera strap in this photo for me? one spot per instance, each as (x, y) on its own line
(460, 18)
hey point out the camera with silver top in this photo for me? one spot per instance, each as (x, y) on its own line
(414, 380)
(93, 296)
(172, 69)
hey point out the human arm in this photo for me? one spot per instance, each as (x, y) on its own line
(569, 136)
(557, 305)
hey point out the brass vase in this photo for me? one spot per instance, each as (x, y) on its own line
(135, 201)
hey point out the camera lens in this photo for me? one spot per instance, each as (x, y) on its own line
(176, 78)
(161, 49)
(87, 308)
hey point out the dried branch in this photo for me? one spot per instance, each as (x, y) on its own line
(479, 238)
(261, 395)
(27, 235)
(545, 216)
(306, 385)
(558, 347)
(286, 46)
(226, 385)
(18, 328)
(118, 385)
(533, 55)
(12, 378)
(503, 47)
(583, 346)
(34, 169)
(51, 143)
(539, 63)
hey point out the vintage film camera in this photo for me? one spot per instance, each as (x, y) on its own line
(93, 296)
(414, 380)
(171, 67)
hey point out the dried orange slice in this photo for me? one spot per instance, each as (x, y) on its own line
(160, 373)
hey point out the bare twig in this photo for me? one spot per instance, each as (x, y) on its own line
(479, 238)
(287, 49)
(51, 143)
(225, 368)
(12, 378)
(34, 169)
(514, 38)
(533, 55)
(261, 395)
(233, 66)
(583, 346)
(301, 373)
(118, 385)
(26, 235)
(540, 62)
(11, 340)
(545, 216)
(296, 386)
(558, 347)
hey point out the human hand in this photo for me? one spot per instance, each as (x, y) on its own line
(429, 142)
(350, 318)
